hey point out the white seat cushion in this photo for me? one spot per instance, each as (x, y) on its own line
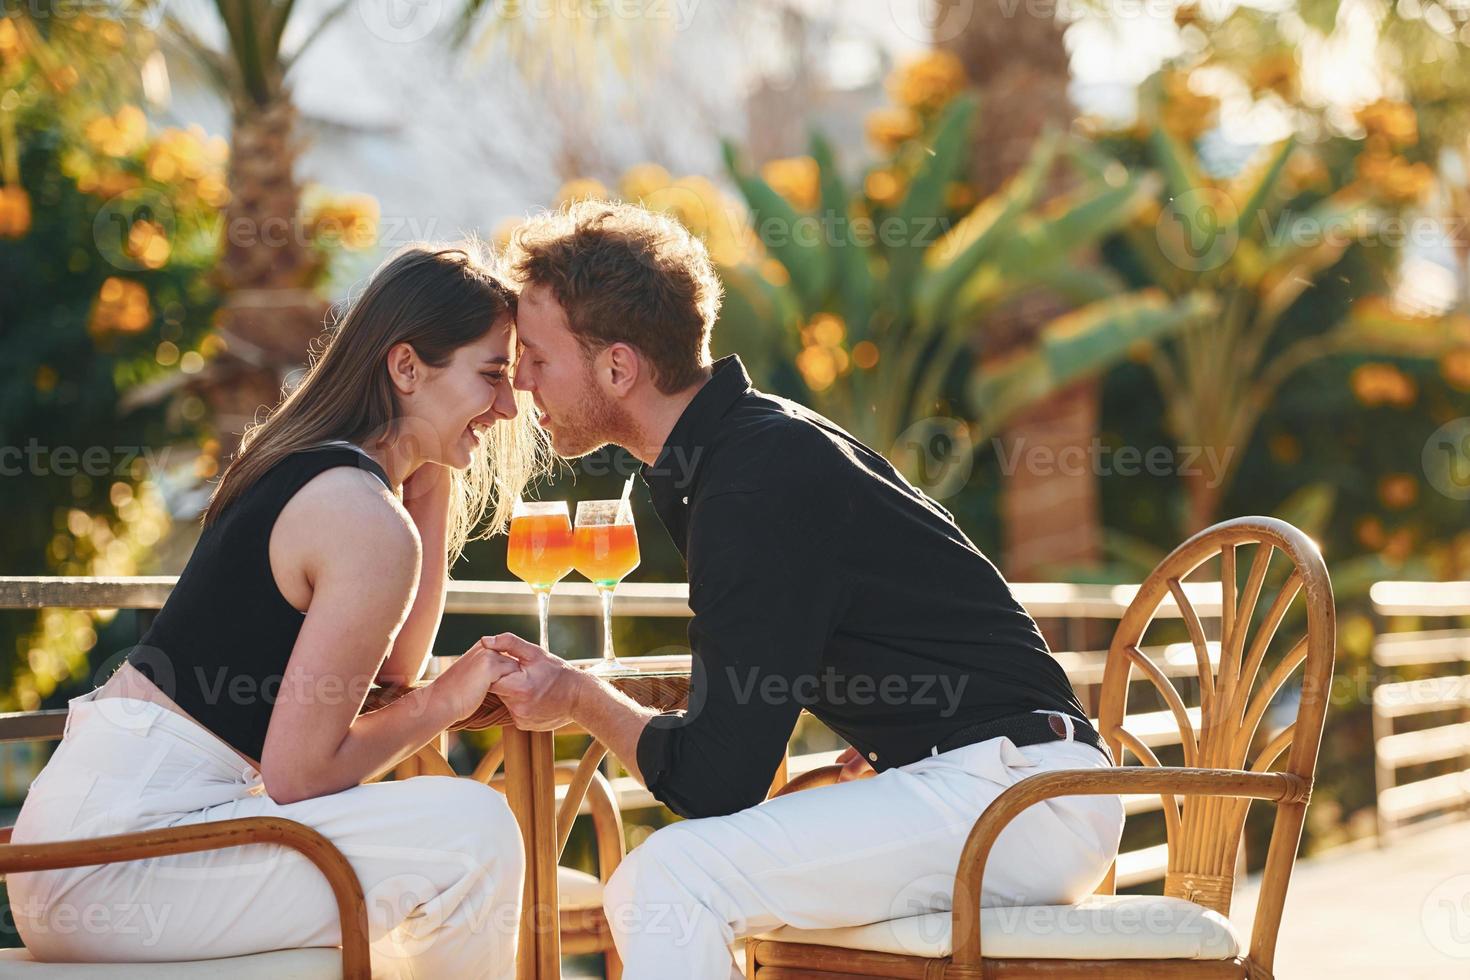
(1105, 927)
(577, 890)
(281, 964)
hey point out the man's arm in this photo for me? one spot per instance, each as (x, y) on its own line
(765, 601)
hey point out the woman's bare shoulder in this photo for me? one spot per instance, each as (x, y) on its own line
(348, 514)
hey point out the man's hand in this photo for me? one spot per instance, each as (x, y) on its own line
(542, 695)
(854, 766)
(465, 681)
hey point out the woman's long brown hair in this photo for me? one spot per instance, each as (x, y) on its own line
(437, 300)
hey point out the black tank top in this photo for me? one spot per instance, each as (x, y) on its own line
(220, 644)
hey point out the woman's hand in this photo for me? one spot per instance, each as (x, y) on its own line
(466, 681)
(854, 766)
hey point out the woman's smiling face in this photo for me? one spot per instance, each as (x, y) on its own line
(461, 400)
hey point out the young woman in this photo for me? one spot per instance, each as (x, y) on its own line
(321, 568)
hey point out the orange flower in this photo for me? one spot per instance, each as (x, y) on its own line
(581, 189)
(927, 82)
(1185, 113)
(883, 187)
(118, 135)
(121, 305)
(1391, 121)
(1383, 384)
(1397, 491)
(889, 127)
(798, 179)
(1455, 367)
(15, 211)
(643, 180)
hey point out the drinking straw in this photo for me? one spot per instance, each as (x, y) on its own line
(627, 495)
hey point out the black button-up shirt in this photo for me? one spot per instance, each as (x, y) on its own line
(820, 578)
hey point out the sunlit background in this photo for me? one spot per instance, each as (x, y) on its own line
(1153, 265)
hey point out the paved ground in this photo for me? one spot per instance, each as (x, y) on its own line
(1361, 913)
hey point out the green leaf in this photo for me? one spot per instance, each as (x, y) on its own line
(954, 258)
(1309, 508)
(1079, 344)
(759, 320)
(852, 277)
(779, 226)
(1046, 240)
(1246, 224)
(923, 209)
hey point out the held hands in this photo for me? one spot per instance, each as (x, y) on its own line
(542, 694)
(465, 681)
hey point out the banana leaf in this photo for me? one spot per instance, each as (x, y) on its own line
(1079, 344)
(1043, 241)
(778, 224)
(852, 278)
(1246, 225)
(954, 258)
(923, 207)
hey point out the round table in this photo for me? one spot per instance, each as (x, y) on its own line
(661, 683)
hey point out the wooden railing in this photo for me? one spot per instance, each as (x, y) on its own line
(1422, 679)
(1063, 605)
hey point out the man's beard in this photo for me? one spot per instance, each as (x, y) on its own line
(599, 421)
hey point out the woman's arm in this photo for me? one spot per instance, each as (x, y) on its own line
(362, 557)
(426, 498)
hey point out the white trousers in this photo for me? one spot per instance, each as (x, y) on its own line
(863, 851)
(439, 859)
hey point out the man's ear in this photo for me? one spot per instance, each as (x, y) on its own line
(405, 369)
(624, 367)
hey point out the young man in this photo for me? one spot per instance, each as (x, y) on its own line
(819, 578)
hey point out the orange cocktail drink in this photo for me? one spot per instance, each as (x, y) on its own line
(540, 552)
(605, 552)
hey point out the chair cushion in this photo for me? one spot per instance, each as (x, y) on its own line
(282, 964)
(1105, 927)
(577, 890)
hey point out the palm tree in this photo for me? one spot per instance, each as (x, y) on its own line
(1019, 65)
(267, 268)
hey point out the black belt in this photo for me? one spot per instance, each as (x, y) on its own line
(1028, 728)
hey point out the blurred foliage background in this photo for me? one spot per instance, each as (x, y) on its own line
(986, 270)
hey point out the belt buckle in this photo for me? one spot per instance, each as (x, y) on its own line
(1058, 727)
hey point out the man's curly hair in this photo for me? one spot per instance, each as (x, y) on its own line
(625, 274)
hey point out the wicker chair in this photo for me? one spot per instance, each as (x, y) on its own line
(1185, 932)
(349, 962)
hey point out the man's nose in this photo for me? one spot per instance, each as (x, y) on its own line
(522, 381)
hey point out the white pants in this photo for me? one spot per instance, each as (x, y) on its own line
(439, 858)
(858, 852)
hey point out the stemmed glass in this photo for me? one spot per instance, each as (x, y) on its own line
(606, 549)
(540, 552)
